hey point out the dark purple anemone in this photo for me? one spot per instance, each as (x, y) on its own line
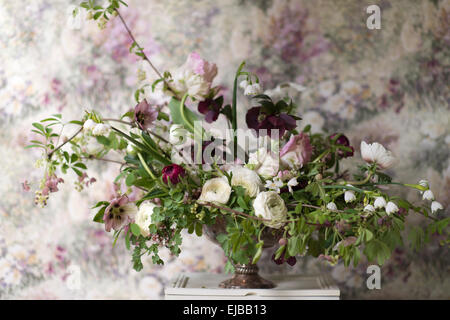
(258, 121)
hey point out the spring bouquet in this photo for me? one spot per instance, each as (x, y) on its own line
(270, 184)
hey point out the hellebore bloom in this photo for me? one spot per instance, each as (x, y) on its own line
(297, 151)
(369, 208)
(119, 213)
(145, 115)
(259, 121)
(343, 141)
(210, 108)
(376, 153)
(173, 172)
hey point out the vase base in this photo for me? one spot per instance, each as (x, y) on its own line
(247, 277)
(247, 282)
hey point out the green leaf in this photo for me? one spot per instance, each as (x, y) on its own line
(99, 216)
(135, 229)
(174, 106)
(198, 229)
(293, 245)
(39, 126)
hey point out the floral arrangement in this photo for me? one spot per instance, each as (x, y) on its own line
(177, 175)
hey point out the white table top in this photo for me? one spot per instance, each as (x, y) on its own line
(298, 287)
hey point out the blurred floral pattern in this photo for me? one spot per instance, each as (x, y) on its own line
(389, 85)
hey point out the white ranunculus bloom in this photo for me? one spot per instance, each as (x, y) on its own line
(89, 125)
(101, 129)
(376, 153)
(428, 195)
(269, 205)
(379, 202)
(216, 190)
(435, 206)
(144, 217)
(264, 163)
(349, 196)
(248, 179)
(331, 206)
(391, 208)
(369, 208)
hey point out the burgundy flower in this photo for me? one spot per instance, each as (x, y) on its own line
(173, 172)
(144, 114)
(257, 120)
(211, 108)
(291, 261)
(343, 141)
(119, 213)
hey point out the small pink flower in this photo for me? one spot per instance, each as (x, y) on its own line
(26, 186)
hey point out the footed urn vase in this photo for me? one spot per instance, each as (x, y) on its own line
(245, 275)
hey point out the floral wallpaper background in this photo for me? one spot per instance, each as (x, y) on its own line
(389, 85)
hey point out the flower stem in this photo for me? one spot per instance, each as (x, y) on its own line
(144, 56)
(49, 155)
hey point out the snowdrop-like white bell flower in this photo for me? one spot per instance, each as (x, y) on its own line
(253, 89)
(101, 129)
(391, 208)
(424, 183)
(215, 190)
(292, 183)
(376, 153)
(349, 196)
(435, 206)
(269, 205)
(243, 84)
(379, 202)
(89, 125)
(428, 195)
(369, 208)
(331, 206)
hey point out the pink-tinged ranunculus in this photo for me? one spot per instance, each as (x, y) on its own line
(173, 172)
(194, 77)
(297, 151)
(144, 114)
(119, 213)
